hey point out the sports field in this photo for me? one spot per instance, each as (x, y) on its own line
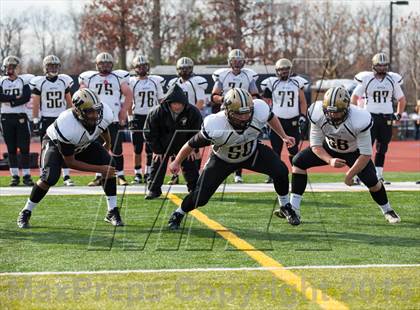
(230, 254)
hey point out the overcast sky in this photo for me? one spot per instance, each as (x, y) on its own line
(11, 6)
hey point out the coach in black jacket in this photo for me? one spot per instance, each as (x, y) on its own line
(167, 128)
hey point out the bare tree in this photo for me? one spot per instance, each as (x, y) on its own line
(11, 29)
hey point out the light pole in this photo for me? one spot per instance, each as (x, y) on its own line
(391, 3)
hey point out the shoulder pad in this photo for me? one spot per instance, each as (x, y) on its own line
(362, 76)
(396, 77)
(200, 81)
(84, 76)
(268, 82)
(301, 81)
(315, 112)
(219, 74)
(360, 119)
(261, 110)
(36, 82)
(214, 124)
(67, 79)
(172, 81)
(158, 79)
(252, 75)
(26, 78)
(122, 74)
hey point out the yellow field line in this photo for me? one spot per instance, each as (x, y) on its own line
(290, 278)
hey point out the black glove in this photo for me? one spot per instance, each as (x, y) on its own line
(133, 125)
(396, 116)
(36, 129)
(303, 124)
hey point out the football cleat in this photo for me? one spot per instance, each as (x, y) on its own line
(27, 180)
(121, 180)
(152, 195)
(392, 217)
(67, 181)
(137, 179)
(384, 181)
(96, 182)
(175, 220)
(238, 179)
(356, 181)
(113, 217)
(14, 181)
(287, 211)
(23, 219)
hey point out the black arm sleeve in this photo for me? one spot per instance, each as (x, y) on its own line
(152, 133)
(6, 98)
(198, 140)
(26, 96)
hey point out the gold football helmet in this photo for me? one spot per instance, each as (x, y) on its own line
(51, 65)
(141, 65)
(88, 107)
(236, 60)
(10, 65)
(380, 64)
(239, 108)
(104, 63)
(336, 105)
(283, 67)
(185, 67)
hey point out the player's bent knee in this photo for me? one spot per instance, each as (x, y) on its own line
(42, 184)
(376, 187)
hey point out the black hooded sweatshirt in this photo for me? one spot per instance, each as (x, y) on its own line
(161, 127)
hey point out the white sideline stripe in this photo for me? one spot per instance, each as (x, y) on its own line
(42, 273)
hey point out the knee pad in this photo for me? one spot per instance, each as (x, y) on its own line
(50, 176)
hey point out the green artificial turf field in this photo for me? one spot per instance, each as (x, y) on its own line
(68, 234)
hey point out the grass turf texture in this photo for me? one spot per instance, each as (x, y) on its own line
(69, 234)
(252, 178)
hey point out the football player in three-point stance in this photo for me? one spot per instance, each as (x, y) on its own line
(194, 87)
(14, 120)
(72, 139)
(234, 135)
(234, 77)
(379, 88)
(339, 136)
(111, 86)
(147, 93)
(50, 96)
(285, 95)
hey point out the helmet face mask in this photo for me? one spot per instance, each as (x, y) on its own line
(104, 63)
(51, 65)
(185, 67)
(236, 60)
(88, 108)
(380, 64)
(283, 69)
(141, 66)
(239, 108)
(336, 105)
(10, 66)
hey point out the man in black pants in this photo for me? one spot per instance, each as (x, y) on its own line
(285, 95)
(234, 135)
(14, 120)
(167, 128)
(339, 137)
(380, 88)
(50, 96)
(72, 139)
